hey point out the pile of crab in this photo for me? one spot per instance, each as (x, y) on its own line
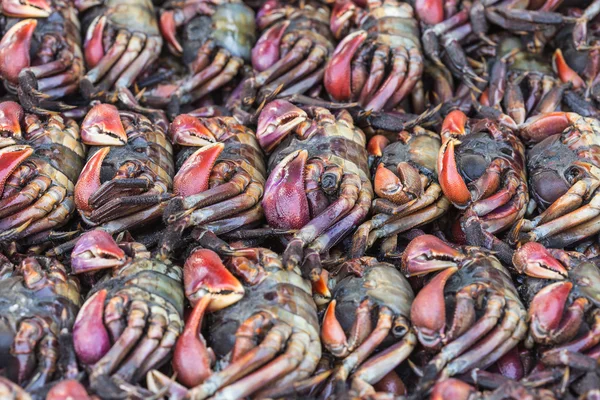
(349, 199)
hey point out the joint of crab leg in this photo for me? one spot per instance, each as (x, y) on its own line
(90, 337)
(452, 183)
(566, 73)
(428, 310)
(187, 130)
(193, 175)
(27, 9)
(204, 275)
(401, 189)
(426, 254)
(534, 260)
(266, 51)
(191, 358)
(102, 126)
(276, 121)
(168, 28)
(430, 12)
(96, 250)
(89, 180)
(338, 73)
(285, 186)
(94, 47)
(14, 49)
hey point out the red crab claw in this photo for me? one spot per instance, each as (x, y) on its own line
(542, 126)
(204, 275)
(266, 51)
(189, 131)
(426, 254)
(14, 49)
(399, 188)
(452, 183)
(338, 73)
(102, 126)
(11, 115)
(90, 337)
(452, 389)
(94, 46)
(430, 12)
(26, 9)
(533, 259)
(89, 180)
(193, 175)
(428, 310)
(284, 202)
(276, 121)
(168, 28)
(69, 389)
(566, 73)
(96, 250)
(547, 308)
(210, 287)
(342, 13)
(376, 145)
(10, 158)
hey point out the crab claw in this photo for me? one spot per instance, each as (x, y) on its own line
(342, 13)
(266, 51)
(26, 9)
(430, 12)
(376, 145)
(428, 310)
(193, 175)
(89, 180)
(400, 188)
(14, 49)
(90, 337)
(191, 358)
(276, 121)
(547, 308)
(69, 389)
(285, 187)
(452, 183)
(10, 158)
(204, 275)
(11, 115)
(534, 260)
(566, 73)
(542, 126)
(186, 130)
(168, 28)
(102, 126)
(454, 125)
(94, 46)
(338, 73)
(426, 254)
(96, 250)
(452, 389)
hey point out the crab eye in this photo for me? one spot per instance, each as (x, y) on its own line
(472, 166)
(548, 186)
